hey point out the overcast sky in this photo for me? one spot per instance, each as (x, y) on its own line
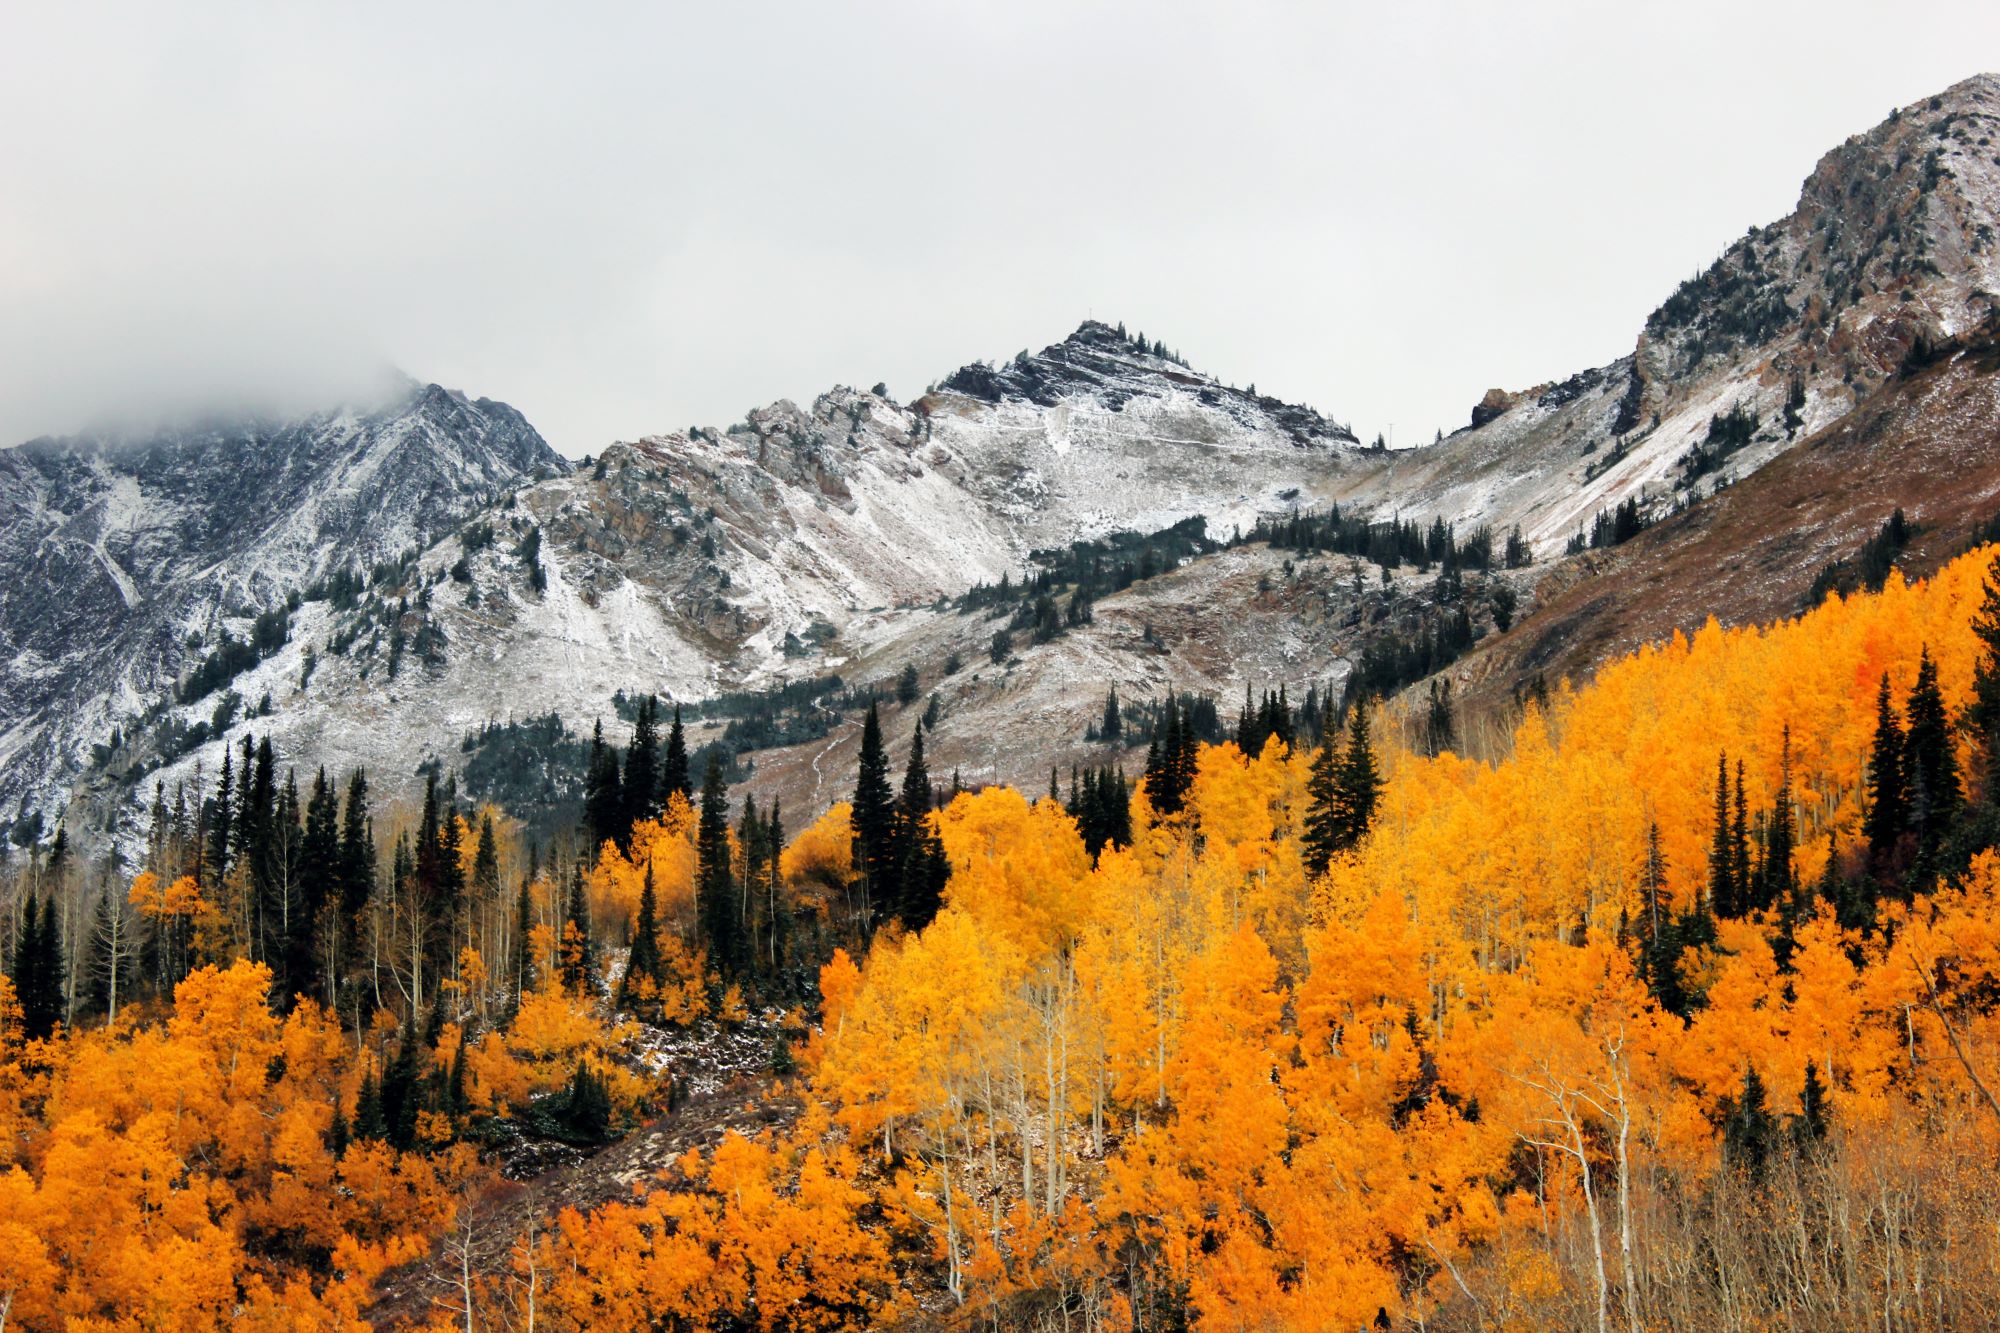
(666, 215)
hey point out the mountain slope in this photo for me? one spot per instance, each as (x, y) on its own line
(129, 557)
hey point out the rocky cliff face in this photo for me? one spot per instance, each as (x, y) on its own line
(1892, 250)
(838, 538)
(128, 559)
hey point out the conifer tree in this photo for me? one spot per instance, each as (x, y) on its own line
(1112, 726)
(1888, 793)
(1722, 894)
(579, 952)
(1324, 824)
(220, 824)
(1749, 1134)
(643, 963)
(922, 869)
(524, 924)
(674, 774)
(1982, 715)
(1360, 785)
(1932, 769)
(603, 794)
(1813, 1121)
(1739, 845)
(715, 890)
(1779, 886)
(641, 788)
(874, 820)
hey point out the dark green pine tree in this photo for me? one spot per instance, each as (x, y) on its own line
(1112, 726)
(37, 969)
(875, 821)
(642, 766)
(643, 962)
(1776, 886)
(402, 1095)
(1324, 823)
(777, 911)
(1813, 1120)
(370, 1121)
(319, 880)
(1722, 895)
(1982, 715)
(521, 962)
(1360, 787)
(1932, 770)
(924, 868)
(221, 825)
(1749, 1133)
(603, 794)
(357, 850)
(754, 848)
(715, 887)
(1739, 845)
(674, 774)
(579, 949)
(1888, 791)
(456, 1104)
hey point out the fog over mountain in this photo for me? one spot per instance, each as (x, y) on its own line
(671, 217)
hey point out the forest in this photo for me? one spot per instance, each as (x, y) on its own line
(1683, 1014)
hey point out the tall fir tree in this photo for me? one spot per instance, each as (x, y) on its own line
(1722, 889)
(643, 963)
(1932, 768)
(674, 773)
(1888, 812)
(1324, 825)
(642, 767)
(603, 794)
(1361, 783)
(874, 820)
(1982, 714)
(715, 889)
(579, 948)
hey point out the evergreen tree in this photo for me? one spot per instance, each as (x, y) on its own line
(1749, 1134)
(603, 794)
(875, 820)
(402, 1094)
(1888, 793)
(922, 868)
(370, 1122)
(642, 777)
(1775, 884)
(1739, 845)
(1722, 894)
(579, 951)
(1360, 786)
(1324, 825)
(37, 970)
(1112, 726)
(674, 774)
(1812, 1122)
(1440, 720)
(643, 962)
(524, 925)
(715, 889)
(1932, 770)
(221, 821)
(777, 913)
(1982, 715)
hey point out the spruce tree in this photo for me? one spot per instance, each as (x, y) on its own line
(874, 820)
(1324, 823)
(1888, 792)
(674, 774)
(579, 951)
(1749, 1134)
(641, 790)
(1722, 894)
(221, 822)
(1111, 727)
(715, 889)
(1982, 715)
(1360, 785)
(643, 962)
(524, 925)
(603, 794)
(1932, 768)
(922, 868)
(1739, 845)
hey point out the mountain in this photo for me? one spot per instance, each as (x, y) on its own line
(129, 558)
(774, 574)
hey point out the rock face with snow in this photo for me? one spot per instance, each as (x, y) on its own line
(1894, 248)
(450, 571)
(126, 558)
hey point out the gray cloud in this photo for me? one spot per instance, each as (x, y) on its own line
(656, 216)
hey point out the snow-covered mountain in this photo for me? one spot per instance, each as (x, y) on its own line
(1894, 246)
(838, 539)
(128, 558)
